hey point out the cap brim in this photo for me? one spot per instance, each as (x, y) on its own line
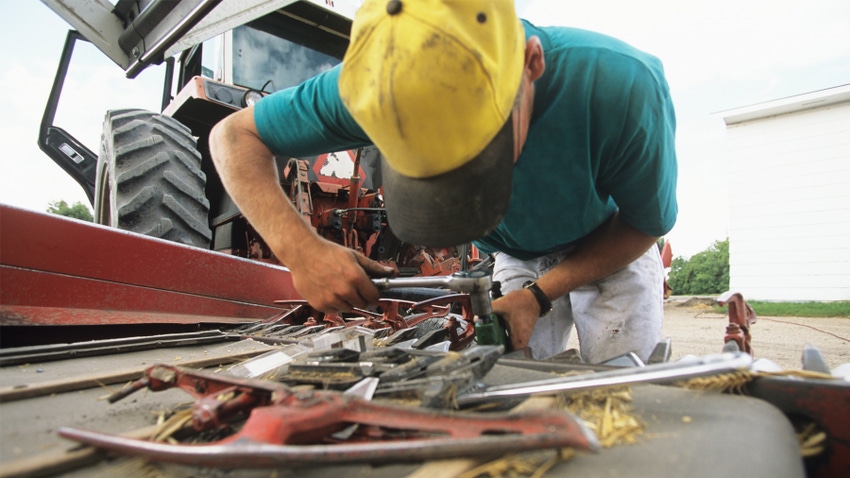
(455, 207)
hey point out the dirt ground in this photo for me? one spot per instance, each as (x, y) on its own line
(695, 328)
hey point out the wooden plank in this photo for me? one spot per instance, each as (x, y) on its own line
(59, 461)
(20, 392)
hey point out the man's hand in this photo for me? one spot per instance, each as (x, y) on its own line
(330, 277)
(609, 248)
(520, 311)
(333, 278)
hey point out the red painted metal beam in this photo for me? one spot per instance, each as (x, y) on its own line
(55, 270)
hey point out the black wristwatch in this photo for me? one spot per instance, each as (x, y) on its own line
(542, 301)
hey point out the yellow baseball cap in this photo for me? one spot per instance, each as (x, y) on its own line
(433, 83)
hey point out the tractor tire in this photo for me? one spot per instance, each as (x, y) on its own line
(149, 178)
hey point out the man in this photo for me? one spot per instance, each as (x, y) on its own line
(552, 148)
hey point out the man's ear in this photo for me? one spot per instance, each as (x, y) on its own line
(534, 63)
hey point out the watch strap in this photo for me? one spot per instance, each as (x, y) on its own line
(542, 300)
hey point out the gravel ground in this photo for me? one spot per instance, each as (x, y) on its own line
(697, 329)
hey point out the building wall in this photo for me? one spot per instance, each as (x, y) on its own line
(789, 227)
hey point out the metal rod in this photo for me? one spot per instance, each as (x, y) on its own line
(401, 282)
(657, 373)
(107, 347)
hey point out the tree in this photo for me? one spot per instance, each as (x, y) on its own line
(77, 211)
(707, 272)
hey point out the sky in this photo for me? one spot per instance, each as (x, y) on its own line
(718, 55)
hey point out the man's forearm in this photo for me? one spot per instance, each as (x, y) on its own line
(608, 249)
(249, 174)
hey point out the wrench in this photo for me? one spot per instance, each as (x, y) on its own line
(490, 329)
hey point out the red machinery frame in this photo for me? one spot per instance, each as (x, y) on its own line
(60, 271)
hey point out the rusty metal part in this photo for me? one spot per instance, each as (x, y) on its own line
(395, 314)
(300, 188)
(433, 377)
(354, 188)
(741, 318)
(474, 300)
(439, 380)
(439, 436)
(343, 211)
(286, 428)
(822, 401)
(133, 387)
(459, 340)
(666, 261)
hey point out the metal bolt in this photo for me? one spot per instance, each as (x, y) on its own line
(135, 52)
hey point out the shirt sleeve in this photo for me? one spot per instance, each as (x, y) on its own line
(639, 170)
(308, 119)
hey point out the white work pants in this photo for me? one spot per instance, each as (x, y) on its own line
(618, 314)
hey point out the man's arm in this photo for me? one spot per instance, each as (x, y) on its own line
(609, 248)
(329, 276)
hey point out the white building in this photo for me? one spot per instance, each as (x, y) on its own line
(789, 182)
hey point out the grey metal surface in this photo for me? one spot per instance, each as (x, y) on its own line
(687, 433)
(94, 19)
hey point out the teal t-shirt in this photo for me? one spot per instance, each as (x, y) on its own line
(601, 139)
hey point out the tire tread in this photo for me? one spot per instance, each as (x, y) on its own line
(158, 181)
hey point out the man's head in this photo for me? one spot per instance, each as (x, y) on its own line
(433, 84)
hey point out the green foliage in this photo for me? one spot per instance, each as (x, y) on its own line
(77, 211)
(840, 308)
(706, 272)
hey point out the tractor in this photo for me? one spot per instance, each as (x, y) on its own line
(153, 173)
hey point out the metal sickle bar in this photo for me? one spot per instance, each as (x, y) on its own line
(562, 432)
(286, 428)
(198, 383)
(210, 410)
(295, 431)
(657, 373)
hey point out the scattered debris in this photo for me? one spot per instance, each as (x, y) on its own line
(608, 412)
